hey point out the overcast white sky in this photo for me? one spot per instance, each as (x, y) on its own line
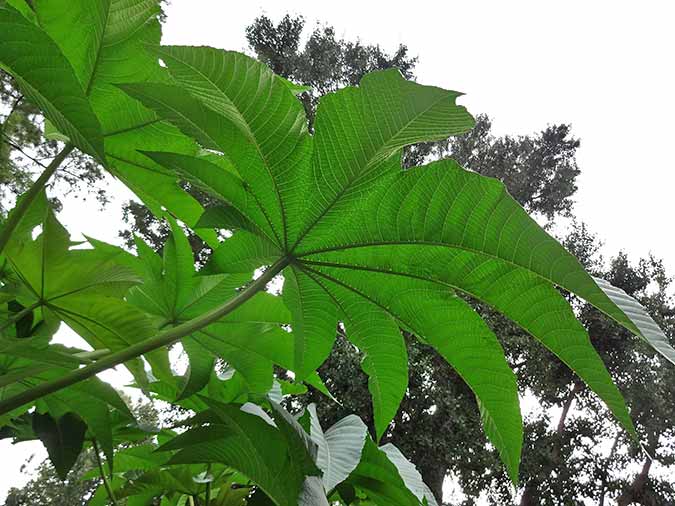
(606, 67)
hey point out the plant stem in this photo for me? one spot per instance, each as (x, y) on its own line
(25, 200)
(106, 483)
(161, 339)
(207, 492)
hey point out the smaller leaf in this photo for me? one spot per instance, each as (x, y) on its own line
(296, 89)
(224, 217)
(63, 439)
(201, 366)
(379, 478)
(340, 447)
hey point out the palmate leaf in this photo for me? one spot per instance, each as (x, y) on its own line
(83, 288)
(371, 241)
(175, 292)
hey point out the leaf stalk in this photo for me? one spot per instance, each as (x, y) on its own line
(101, 471)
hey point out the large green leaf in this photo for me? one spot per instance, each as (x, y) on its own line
(48, 79)
(371, 235)
(371, 230)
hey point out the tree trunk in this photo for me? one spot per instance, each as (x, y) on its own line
(605, 471)
(530, 495)
(636, 489)
(434, 479)
(555, 454)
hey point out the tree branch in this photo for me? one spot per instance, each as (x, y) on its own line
(11, 142)
(164, 338)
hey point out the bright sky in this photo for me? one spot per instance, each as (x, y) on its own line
(603, 66)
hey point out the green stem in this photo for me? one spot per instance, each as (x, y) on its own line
(25, 200)
(17, 316)
(106, 483)
(161, 339)
(207, 492)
